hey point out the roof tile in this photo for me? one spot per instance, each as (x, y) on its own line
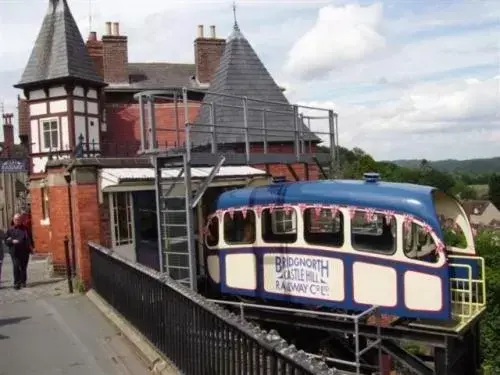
(59, 50)
(242, 73)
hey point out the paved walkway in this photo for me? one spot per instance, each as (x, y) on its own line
(46, 331)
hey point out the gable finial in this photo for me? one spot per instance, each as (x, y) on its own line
(235, 27)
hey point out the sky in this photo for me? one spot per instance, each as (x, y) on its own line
(407, 78)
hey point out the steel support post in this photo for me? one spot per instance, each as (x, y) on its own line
(159, 209)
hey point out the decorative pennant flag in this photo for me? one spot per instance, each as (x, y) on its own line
(427, 228)
(369, 214)
(407, 222)
(334, 210)
(389, 215)
(244, 211)
(302, 207)
(317, 211)
(258, 210)
(352, 211)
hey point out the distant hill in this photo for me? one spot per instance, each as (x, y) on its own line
(489, 165)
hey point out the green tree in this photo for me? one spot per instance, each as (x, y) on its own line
(488, 246)
(494, 189)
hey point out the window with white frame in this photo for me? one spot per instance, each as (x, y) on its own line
(122, 218)
(50, 134)
(279, 226)
(284, 222)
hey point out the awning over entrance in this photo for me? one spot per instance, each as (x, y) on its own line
(111, 177)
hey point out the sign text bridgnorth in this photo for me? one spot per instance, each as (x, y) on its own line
(13, 165)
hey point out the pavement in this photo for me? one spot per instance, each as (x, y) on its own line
(44, 330)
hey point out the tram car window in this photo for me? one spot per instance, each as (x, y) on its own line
(323, 228)
(239, 228)
(279, 226)
(372, 232)
(213, 232)
(418, 243)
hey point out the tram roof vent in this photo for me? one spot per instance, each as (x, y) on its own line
(371, 177)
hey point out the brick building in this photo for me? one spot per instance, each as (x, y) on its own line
(78, 99)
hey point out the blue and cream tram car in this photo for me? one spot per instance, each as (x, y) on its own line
(346, 244)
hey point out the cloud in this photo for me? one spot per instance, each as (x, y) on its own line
(340, 36)
(429, 120)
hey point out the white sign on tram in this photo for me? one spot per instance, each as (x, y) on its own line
(304, 276)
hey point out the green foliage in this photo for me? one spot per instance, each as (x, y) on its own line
(494, 189)
(354, 163)
(471, 166)
(488, 246)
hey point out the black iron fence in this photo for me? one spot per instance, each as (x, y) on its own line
(198, 336)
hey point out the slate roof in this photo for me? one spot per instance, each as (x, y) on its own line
(59, 51)
(151, 76)
(242, 73)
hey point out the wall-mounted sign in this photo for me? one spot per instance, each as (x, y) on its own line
(13, 165)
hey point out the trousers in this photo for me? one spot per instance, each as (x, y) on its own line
(20, 264)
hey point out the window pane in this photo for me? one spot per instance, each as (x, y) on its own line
(239, 229)
(55, 140)
(325, 229)
(279, 231)
(46, 140)
(418, 243)
(373, 232)
(212, 237)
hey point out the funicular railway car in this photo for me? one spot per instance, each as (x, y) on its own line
(347, 244)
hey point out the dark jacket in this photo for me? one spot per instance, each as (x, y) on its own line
(19, 233)
(2, 238)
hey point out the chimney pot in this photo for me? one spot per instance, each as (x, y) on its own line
(108, 28)
(212, 31)
(116, 28)
(200, 31)
(93, 36)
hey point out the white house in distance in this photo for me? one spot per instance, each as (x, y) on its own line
(482, 212)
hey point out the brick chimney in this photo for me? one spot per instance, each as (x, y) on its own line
(96, 52)
(207, 54)
(8, 131)
(23, 115)
(115, 54)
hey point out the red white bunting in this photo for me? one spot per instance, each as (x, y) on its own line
(369, 214)
(244, 212)
(317, 211)
(334, 210)
(407, 222)
(389, 215)
(352, 211)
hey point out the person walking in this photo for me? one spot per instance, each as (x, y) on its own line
(19, 243)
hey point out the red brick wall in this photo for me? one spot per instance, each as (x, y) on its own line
(115, 61)
(23, 117)
(96, 53)
(41, 233)
(59, 223)
(123, 123)
(207, 55)
(282, 169)
(87, 225)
